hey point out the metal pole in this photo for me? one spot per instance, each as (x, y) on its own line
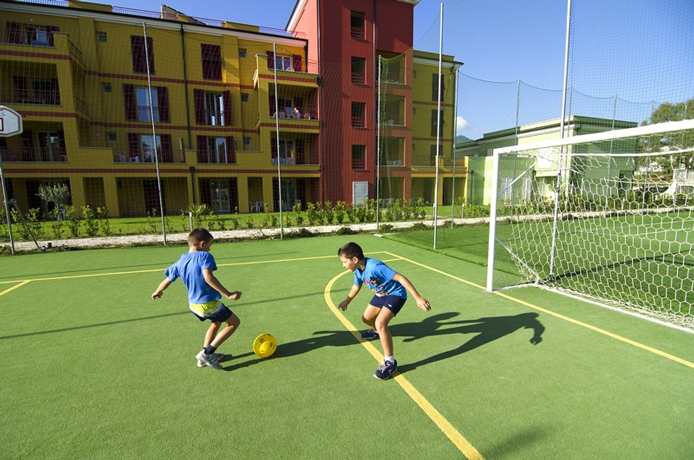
(378, 144)
(492, 222)
(154, 135)
(5, 200)
(561, 151)
(277, 129)
(455, 145)
(438, 135)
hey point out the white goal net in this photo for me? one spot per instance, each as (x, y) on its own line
(605, 216)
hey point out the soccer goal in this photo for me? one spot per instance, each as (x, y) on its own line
(604, 216)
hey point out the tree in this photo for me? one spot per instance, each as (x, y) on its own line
(57, 194)
(671, 141)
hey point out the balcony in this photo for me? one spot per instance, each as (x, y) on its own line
(33, 155)
(147, 156)
(33, 97)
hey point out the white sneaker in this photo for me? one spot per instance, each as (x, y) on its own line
(211, 360)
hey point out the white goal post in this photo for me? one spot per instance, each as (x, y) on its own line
(605, 216)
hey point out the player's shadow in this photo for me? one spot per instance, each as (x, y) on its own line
(318, 340)
(483, 331)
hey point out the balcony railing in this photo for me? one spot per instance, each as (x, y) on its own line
(34, 155)
(147, 156)
(303, 114)
(21, 96)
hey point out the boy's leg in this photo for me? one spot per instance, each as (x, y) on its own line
(369, 318)
(232, 324)
(211, 333)
(381, 326)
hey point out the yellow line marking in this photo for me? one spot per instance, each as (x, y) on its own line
(153, 270)
(444, 425)
(560, 316)
(22, 283)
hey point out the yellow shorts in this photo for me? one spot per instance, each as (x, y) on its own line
(204, 309)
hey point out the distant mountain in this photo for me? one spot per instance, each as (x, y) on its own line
(462, 139)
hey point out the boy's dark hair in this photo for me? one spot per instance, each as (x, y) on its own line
(199, 234)
(350, 250)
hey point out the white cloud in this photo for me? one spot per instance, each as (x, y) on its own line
(461, 124)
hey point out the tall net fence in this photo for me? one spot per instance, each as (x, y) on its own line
(145, 126)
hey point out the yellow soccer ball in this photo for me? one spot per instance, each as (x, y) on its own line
(264, 345)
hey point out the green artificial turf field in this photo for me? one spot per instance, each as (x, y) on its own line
(92, 368)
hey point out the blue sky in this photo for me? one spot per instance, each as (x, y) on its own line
(639, 51)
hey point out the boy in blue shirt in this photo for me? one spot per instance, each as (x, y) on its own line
(390, 291)
(204, 291)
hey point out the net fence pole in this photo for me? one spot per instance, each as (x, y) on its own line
(5, 201)
(378, 145)
(492, 222)
(154, 135)
(438, 134)
(277, 140)
(455, 144)
(555, 225)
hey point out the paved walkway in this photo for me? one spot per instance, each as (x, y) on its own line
(219, 235)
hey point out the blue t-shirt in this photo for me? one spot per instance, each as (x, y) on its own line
(379, 278)
(190, 269)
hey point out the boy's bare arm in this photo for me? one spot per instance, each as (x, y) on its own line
(160, 289)
(352, 293)
(421, 301)
(214, 282)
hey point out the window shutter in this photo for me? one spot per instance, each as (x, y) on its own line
(137, 48)
(166, 150)
(296, 63)
(202, 149)
(270, 60)
(130, 105)
(49, 31)
(150, 49)
(20, 88)
(28, 152)
(163, 101)
(231, 150)
(133, 145)
(226, 98)
(14, 32)
(300, 159)
(211, 62)
(272, 105)
(199, 101)
(205, 192)
(273, 147)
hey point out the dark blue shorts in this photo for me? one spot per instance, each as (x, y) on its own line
(219, 315)
(391, 302)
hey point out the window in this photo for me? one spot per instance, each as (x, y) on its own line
(30, 34)
(357, 23)
(358, 70)
(291, 63)
(358, 157)
(217, 150)
(111, 137)
(244, 97)
(149, 146)
(358, 115)
(220, 196)
(143, 105)
(106, 87)
(287, 155)
(246, 141)
(242, 52)
(211, 62)
(434, 122)
(435, 87)
(214, 109)
(101, 37)
(51, 147)
(139, 51)
(283, 62)
(46, 92)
